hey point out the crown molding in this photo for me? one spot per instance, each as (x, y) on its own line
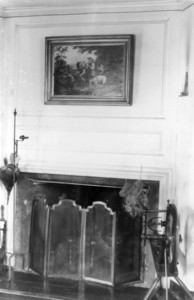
(185, 4)
(123, 7)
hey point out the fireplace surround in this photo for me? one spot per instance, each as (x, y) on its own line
(75, 227)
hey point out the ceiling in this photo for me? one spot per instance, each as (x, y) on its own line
(11, 8)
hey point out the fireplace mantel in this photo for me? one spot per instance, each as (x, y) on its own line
(74, 179)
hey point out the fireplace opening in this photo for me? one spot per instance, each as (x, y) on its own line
(76, 227)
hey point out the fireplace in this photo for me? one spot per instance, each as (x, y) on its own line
(75, 227)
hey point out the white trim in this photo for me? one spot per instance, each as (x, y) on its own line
(143, 6)
(184, 4)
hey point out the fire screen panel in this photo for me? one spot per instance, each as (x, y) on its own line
(99, 244)
(37, 234)
(128, 248)
(65, 240)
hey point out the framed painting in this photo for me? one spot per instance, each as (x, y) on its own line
(90, 70)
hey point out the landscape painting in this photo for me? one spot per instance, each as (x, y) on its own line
(89, 70)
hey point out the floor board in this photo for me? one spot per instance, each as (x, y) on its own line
(25, 286)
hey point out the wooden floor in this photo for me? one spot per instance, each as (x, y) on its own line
(30, 286)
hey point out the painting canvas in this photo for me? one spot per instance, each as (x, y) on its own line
(89, 70)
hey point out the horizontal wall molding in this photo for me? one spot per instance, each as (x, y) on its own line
(87, 21)
(93, 115)
(79, 115)
(87, 8)
(54, 151)
(114, 130)
(83, 125)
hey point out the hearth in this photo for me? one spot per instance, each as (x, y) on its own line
(75, 227)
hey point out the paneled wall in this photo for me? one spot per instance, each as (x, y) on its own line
(1, 78)
(116, 141)
(146, 139)
(184, 174)
(107, 141)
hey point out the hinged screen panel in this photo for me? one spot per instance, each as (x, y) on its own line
(65, 240)
(99, 244)
(128, 248)
(37, 234)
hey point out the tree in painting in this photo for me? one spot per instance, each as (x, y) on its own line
(89, 70)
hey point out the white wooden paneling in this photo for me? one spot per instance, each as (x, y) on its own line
(110, 141)
(150, 89)
(84, 136)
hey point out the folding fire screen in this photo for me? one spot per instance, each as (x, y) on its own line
(94, 243)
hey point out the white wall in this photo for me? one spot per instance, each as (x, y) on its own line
(1, 76)
(96, 140)
(112, 141)
(3, 193)
(185, 150)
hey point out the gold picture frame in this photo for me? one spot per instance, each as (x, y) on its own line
(89, 70)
